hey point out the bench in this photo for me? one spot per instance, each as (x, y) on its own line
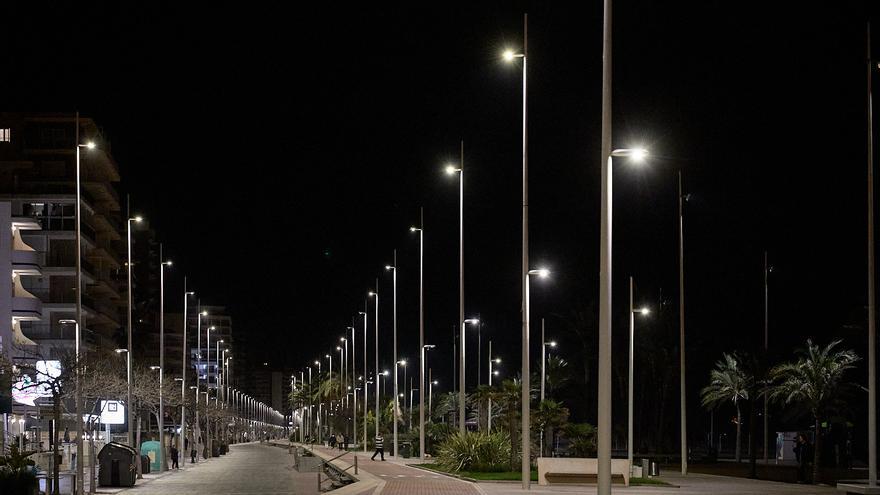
(858, 487)
(553, 470)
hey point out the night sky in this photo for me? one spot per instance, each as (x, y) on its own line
(282, 155)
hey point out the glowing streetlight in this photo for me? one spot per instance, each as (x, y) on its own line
(129, 409)
(632, 312)
(636, 155)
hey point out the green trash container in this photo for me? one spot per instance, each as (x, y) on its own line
(153, 450)
(406, 450)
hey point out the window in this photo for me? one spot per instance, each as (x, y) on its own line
(5, 135)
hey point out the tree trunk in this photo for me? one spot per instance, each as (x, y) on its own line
(738, 431)
(816, 454)
(56, 411)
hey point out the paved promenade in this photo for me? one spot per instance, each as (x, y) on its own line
(395, 478)
(255, 468)
(249, 468)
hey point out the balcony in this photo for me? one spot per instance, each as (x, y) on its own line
(26, 262)
(26, 308)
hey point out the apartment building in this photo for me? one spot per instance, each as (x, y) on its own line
(38, 179)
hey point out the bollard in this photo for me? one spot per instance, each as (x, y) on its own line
(355, 464)
(319, 482)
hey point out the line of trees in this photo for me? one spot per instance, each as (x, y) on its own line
(104, 377)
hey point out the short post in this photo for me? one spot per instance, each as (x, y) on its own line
(355, 464)
(319, 482)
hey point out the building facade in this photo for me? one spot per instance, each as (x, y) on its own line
(38, 179)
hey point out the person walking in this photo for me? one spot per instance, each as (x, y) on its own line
(174, 453)
(803, 452)
(380, 447)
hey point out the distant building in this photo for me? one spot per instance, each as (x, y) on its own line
(219, 319)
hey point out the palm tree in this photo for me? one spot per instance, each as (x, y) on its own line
(729, 382)
(549, 417)
(558, 375)
(509, 414)
(814, 381)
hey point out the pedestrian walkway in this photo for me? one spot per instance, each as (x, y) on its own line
(396, 478)
(249, 468)
(692, 484)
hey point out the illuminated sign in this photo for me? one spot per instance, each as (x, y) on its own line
(112, 412)
(27, 389)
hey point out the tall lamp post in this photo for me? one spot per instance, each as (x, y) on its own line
(182, 435)
(509, 56)
(376, 342)
(163, 263)
(366, 388)
(421, 231)
(604, 409)
(451, 170)
(422, 363)
(491, 373)
(632, 312)
(681, 347)
(872, 308)
(79, 316)
(128, 403)
(210, 450)
(461, 372)
(395, 414)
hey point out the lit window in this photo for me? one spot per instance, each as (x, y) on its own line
(4, 135)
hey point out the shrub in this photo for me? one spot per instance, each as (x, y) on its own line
(582, 439)
(475, 451)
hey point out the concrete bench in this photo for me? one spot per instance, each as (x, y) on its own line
(857, 487)
(552, 470)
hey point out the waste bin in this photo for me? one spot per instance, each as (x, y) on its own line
(153, 450)
(117, 465)
(145, 464)
(406, 450)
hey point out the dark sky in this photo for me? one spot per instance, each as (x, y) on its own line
(282, 155)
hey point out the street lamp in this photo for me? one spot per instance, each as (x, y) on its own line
(525, 395)
(366, 389)
(461, 374)
(79, 316)
(208, 385)
(632, 312)
(431, 384)
(492, 373)
(604, 397)
(402, 363)
(180, 438)
(162, 264)
(544, 345)
(510, 56)
(130, 418)
(421, 231)
(451, 170)
(376, 342)
(384, 375)
(395, 417)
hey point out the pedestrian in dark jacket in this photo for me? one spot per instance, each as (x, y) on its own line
(380, 447)
(173, 452)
